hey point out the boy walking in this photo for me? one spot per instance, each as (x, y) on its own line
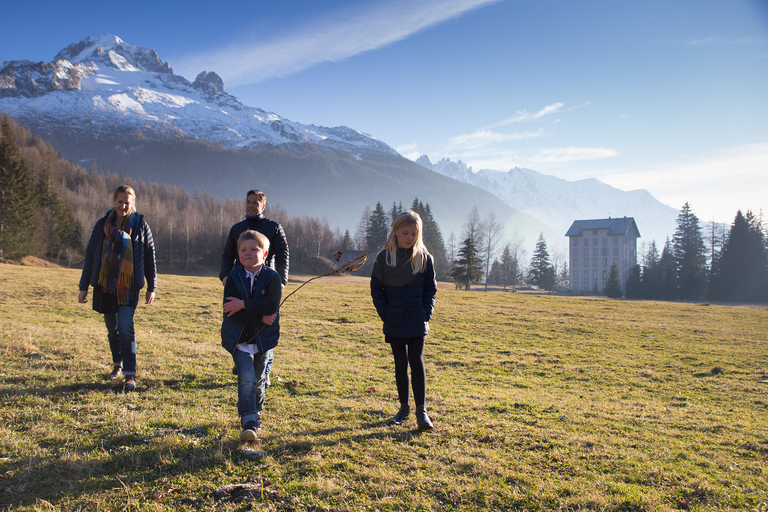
(251, 328)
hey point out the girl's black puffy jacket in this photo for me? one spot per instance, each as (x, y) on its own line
(404, 300)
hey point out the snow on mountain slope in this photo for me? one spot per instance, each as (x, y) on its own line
(559, 202)
(105, 87)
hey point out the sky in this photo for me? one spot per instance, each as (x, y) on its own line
(670, 96)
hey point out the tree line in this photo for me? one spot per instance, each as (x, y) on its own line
(733, 267)
(48, 206)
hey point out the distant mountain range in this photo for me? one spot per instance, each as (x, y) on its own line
(119, 107)
(558, 202)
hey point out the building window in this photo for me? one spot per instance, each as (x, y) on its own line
(586, 243)
(575, 262)
(594, 241)
(605, 241)
(575, 252)
(594, 233)
(586, 262)
(594, 275)
(616, 241)
(615, 251)
(605, 274)
(594, 251)
(594, 262)
(616, 261)
(604, 251)
(605, 262)
(575, 275)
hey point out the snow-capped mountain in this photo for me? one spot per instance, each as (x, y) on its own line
(558, 202)
(105, 88)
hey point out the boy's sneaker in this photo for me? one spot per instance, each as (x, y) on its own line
(249, 433)
(130, 382)
(115, 373)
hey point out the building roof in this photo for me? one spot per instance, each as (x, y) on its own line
(614, 226)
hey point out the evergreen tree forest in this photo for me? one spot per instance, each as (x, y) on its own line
(734, 269)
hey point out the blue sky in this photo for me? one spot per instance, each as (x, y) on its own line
(666, 95)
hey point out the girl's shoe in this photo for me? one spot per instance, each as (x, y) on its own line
(115, 373)
(401, 416)
(422, 419)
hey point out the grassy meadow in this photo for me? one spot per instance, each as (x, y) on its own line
(539, 403)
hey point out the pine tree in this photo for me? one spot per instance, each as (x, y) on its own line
(668, 288)
(378, 229)
(634, 284)
(347, 243)
(468, 268)
(540, 272)
(396, 210)
(651, 273)
(433, 240)
(612, 287)
(17, 202)
(741, 270)
(690, 256)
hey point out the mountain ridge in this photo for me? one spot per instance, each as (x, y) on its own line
(558, 202)
(120, 107)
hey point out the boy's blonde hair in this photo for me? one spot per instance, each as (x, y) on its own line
(261, 240)
(420, 252)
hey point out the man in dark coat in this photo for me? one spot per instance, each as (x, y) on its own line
(277, 259)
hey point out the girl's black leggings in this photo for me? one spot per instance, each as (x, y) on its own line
(409, 351)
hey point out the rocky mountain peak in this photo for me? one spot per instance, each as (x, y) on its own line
(209, 82)
(113, 52)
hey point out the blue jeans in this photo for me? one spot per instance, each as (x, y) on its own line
(122, 339)
(251, 376)
(269, 362)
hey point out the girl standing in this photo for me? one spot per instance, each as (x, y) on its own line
(403, 288)
(120, 255)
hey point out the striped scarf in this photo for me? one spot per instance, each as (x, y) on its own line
(116, 272)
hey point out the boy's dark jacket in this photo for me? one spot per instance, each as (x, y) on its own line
(403, 300)
(242, 326)
(144, 265)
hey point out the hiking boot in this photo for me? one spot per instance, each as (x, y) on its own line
(401, 416)
(249, 434)
(422, 419)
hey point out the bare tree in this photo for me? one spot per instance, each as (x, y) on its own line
(493, 232)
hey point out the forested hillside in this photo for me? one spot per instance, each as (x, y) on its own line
(49, 205)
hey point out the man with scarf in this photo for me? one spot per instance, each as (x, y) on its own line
(119, 257)
(277, 259)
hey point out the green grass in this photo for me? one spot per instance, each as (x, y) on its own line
(539, 403)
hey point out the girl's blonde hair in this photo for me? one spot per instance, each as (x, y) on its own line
(420, 252)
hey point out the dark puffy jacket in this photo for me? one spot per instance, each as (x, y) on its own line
(144, 264)
(404, 301)
(263, 300)
(278, 246)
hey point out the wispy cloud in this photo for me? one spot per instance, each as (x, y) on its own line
(522, 116)
(571, 154)
(334, 38)
(484, 138)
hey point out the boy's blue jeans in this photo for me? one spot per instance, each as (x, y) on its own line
(251, 370)
(122, 339)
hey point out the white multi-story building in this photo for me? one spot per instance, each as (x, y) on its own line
(594, 245)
